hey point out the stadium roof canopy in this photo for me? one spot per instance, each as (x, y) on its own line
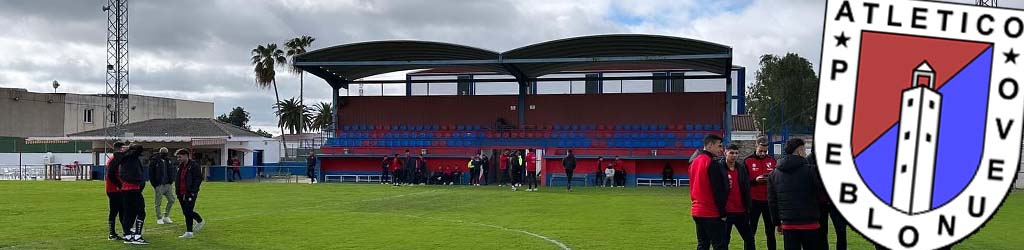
(344, 64)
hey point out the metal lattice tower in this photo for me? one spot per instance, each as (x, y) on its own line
(990, 3)
(117, 67)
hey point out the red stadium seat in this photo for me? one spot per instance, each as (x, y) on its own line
(601, 127)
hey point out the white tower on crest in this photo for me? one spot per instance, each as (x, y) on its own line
(917, 143)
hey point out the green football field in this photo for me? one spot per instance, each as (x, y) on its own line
(72, 215)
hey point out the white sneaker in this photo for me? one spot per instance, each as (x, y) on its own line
(160, 221)
(187, 235)
(199, 226)
(168, 220)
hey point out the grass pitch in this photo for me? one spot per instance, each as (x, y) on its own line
(72, 215)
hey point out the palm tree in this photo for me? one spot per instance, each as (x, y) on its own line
(264, 58)
(293, 115)
(297, 46)
(322, 114)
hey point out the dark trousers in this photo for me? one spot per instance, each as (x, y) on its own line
(620, 178)
(384, 175)
(759, 209)
(802, 239)
(502, 176)
(115, 202)
(396, 177)
(236, 172)
(568, 179)
(133, 212)
(711, 233)
(309, 173)
(188, 209)
(838, 222)
(742, 225)
(599, 178)
(667, 180)
(531, 179)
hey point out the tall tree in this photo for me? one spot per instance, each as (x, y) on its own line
(297, 46)
(264, 133)
(238, 117)
(293, 116)
(785, 93)
(322, 115)
(264, 58)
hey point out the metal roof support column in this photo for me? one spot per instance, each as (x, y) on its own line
(741, 99)
(521, 102)
(727, 123)
(334, 110)
(408, 86)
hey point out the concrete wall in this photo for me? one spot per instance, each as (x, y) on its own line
(32, 114)
(193, 109)
(74, 113)
(145, 108)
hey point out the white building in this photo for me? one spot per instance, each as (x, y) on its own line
(917, 143)
(212, 142)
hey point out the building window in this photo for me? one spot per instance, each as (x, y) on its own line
(87, 116)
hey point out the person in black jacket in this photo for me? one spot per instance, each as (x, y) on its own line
(129, 171)
(667, 175)
(161, 176)
(408, 168)
(731, 188)
(569, 163)
(190, 177)
(384, 168)
(115, 199)
(793, 192)
(310, 166)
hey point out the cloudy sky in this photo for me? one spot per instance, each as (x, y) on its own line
(200, 49)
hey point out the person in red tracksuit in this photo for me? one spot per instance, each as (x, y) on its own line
(503, 168)
(396, 171)
(531, 172)
(711, 224)
(114, 197)
(760, 166)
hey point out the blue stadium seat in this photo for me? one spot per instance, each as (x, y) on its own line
(689, 127)
(435, 128)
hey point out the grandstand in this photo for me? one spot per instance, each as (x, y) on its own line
(648, 99)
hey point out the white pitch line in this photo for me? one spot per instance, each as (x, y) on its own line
(548, 239)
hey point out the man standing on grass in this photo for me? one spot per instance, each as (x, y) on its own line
(409, 169)
(310, 168)
(503, 168)
(532, 170)
(732, 195)
(793, 199)
(189, 179)
(760, 166)
(396, 171)
(114, 196)
(569, 163)
(129, 172)
(161, 176)
(384, 168)
(710, 222)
